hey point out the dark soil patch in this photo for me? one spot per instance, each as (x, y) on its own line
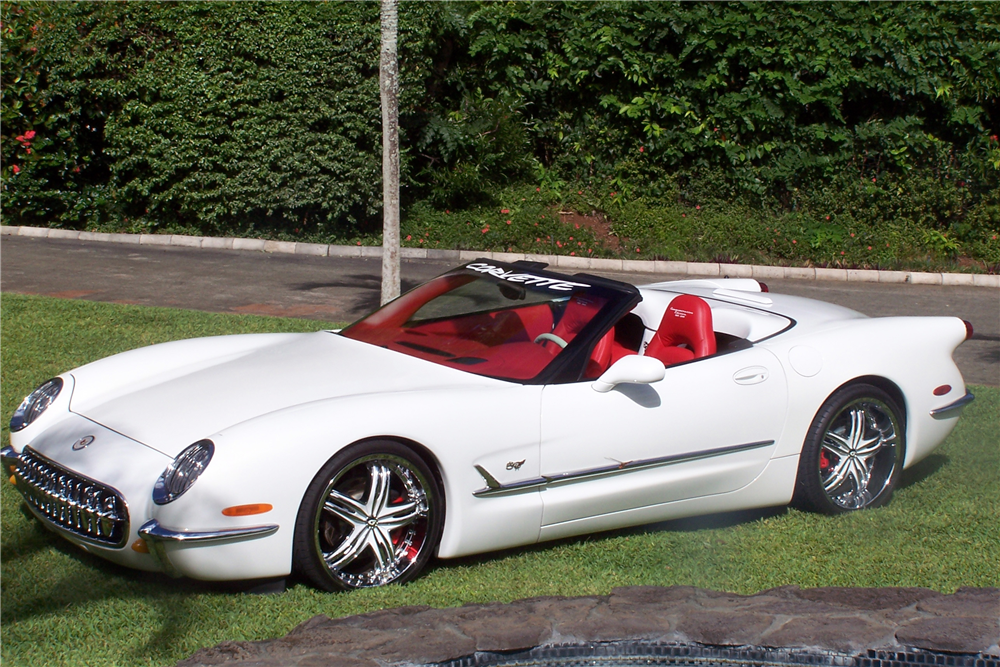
(596, 223)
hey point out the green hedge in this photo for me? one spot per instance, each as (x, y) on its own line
(263, 118)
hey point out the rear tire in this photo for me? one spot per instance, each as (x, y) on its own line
(372, 516)
(852, 457)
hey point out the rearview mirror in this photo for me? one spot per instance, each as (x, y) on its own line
(633, 369)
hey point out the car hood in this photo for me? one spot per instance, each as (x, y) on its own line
(168, 396)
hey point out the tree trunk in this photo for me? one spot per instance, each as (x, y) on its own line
(389, 85)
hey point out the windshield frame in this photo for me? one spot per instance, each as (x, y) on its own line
(617, 299)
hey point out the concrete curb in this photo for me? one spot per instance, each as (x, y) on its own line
(693, 269)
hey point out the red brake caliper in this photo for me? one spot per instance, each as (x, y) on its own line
(413, 549)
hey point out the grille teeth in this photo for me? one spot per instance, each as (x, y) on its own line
(88, 509)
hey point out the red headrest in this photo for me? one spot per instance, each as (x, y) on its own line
(687, 321)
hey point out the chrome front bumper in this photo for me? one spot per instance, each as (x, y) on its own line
(157, 537)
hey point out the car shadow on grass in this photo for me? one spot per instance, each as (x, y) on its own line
(686, 525)
(923, 469)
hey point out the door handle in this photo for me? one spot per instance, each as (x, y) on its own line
(751, 375)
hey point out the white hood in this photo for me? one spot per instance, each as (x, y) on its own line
(168, 396)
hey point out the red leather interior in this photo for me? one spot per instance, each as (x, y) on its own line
(687, 322)
(579, 311)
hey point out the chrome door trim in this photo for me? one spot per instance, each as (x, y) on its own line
(495, 488)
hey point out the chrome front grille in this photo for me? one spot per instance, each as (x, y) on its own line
(88, 509)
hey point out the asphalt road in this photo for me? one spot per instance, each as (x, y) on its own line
(342, 289)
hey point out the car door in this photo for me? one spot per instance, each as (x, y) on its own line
(708, 427)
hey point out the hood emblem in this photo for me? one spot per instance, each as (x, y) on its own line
(82, 442)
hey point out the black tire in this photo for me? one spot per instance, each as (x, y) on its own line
(853, 454)
(372, 516)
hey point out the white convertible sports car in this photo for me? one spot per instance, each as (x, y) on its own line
(496, 405)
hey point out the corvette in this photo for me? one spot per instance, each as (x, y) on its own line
(497, 405)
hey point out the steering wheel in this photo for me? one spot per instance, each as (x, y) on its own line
(552, 337)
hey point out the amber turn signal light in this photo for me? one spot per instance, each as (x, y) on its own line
(247, 510)
(140, 546)
(968, 329)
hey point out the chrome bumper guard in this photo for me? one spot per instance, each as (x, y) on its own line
(953, 409)
(156, 536)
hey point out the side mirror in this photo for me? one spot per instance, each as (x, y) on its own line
(633, 369)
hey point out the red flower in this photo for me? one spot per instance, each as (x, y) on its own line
(559, 243)
(638, 250)
(827, 217)
(841, 252)
(642, 149)
(572, 254)
(409, 238)
(508, 222)
(505, 210)
(697, 208)
(869, 247)
(794, 241)
(993, 138)
(17, 170)
(30, 134)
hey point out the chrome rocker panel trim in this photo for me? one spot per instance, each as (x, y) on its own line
(953, 409)
(495, 488)
(156, 535)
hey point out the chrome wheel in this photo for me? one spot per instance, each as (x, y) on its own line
(374, 521)
(858, 458)
(853, 455)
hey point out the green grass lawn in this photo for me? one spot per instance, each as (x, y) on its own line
(62, 606)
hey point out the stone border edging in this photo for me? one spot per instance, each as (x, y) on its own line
(692, 269)
(843, 620)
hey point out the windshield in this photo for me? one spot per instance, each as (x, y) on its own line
(497, 320)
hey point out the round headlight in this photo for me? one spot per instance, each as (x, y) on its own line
(183, 472)
(35, 404)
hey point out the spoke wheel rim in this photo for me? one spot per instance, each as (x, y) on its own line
(371, 527)
(859, 454)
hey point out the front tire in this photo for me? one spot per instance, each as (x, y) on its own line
(852, 458)
(372, 516)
